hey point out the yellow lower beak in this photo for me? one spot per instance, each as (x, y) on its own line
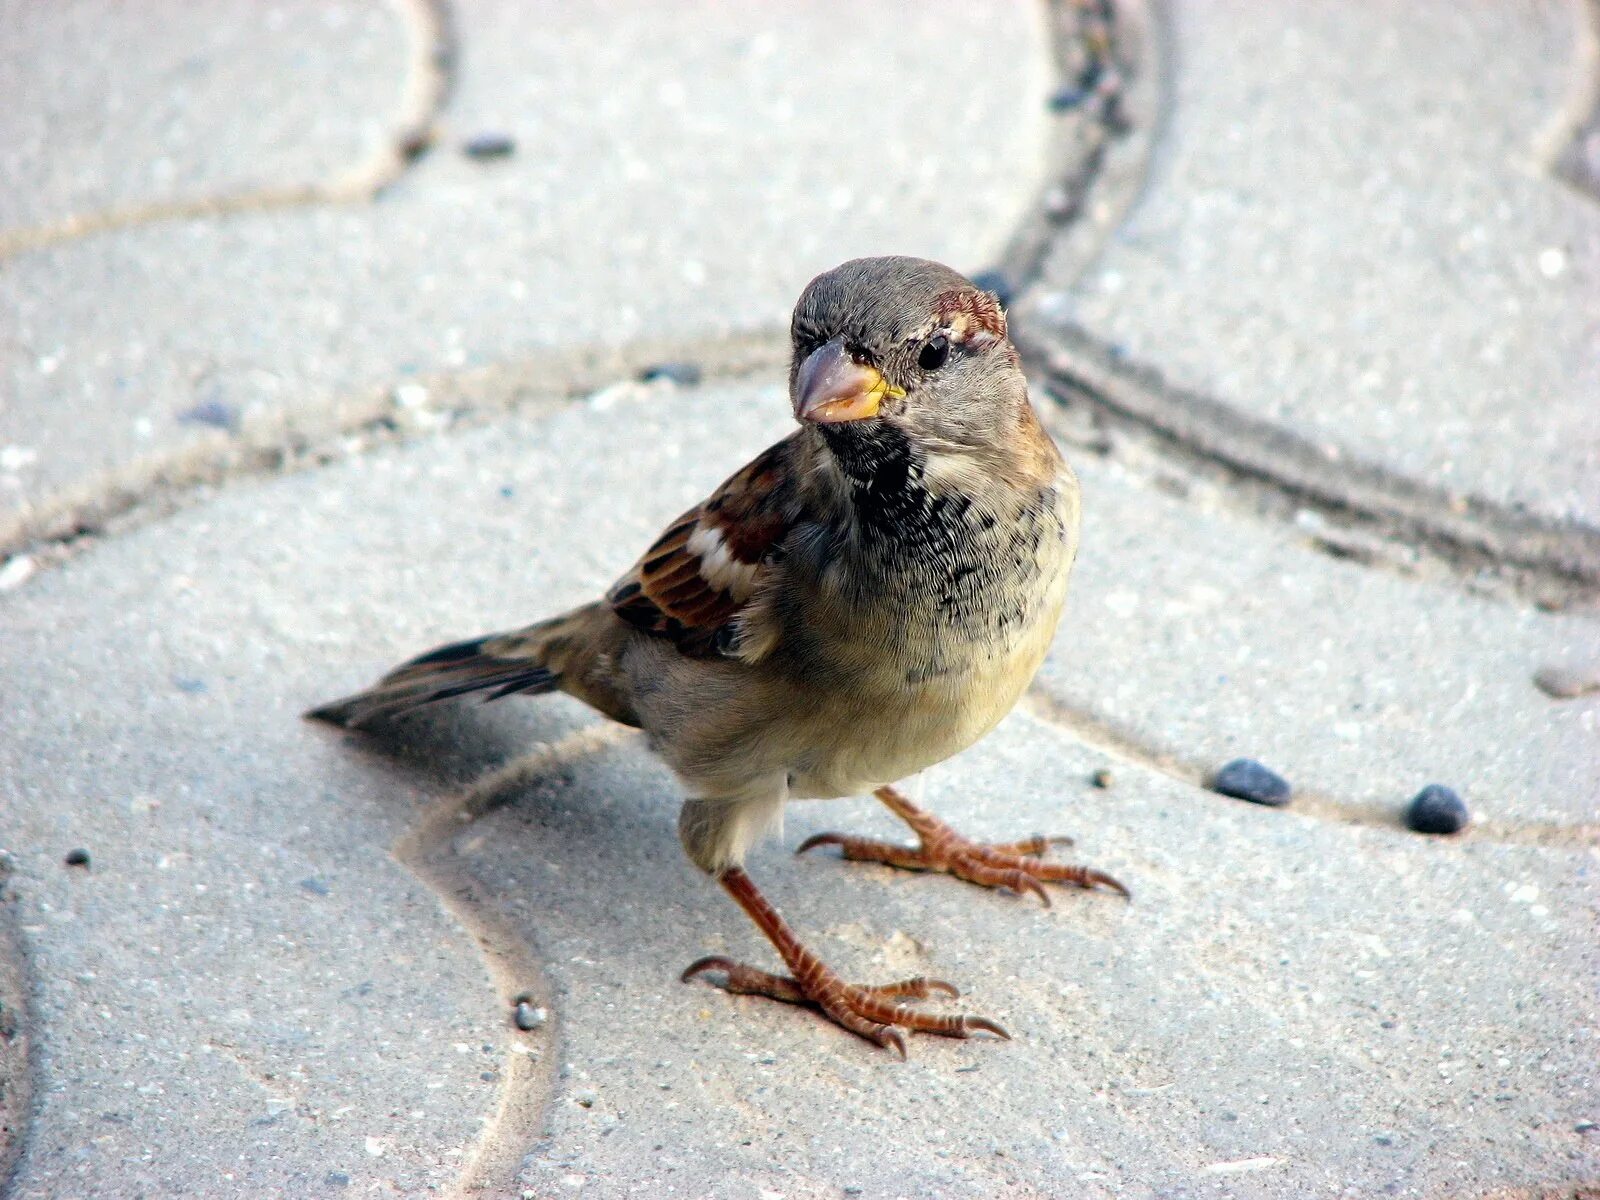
(831, 387)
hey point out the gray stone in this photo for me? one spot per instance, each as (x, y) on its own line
(1283, 990)
(1437, 809)
(1351, 229)
(129, 107)
(680, 196)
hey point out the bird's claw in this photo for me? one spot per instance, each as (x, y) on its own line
(1016, 866)
(870, 1011)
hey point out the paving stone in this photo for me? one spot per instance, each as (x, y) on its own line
(245, 994)
(1352, 228)
(680, 195)
(1203, 635)
(124, 106)
(1289, 1005)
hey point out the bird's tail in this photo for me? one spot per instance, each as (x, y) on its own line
(500, 664)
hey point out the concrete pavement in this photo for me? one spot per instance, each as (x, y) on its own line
(253, 457)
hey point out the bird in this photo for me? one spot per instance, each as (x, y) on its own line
(863, 599)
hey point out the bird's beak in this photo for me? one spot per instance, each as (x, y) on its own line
(831, 387)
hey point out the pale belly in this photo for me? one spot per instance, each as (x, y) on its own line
(896, 734)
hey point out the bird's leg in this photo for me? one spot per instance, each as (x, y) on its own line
(1014, 865)
(870, 1012)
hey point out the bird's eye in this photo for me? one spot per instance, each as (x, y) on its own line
(934, 353)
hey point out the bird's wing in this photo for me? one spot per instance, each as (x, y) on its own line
(699, 577)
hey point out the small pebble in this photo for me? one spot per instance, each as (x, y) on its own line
(77, 858)
(336, 1179)
(213, 413)
(316, 887)
(1585, 1127)
(528, 1018)
(414, 143)
(1102, 778)
(16, 572)
(185, 684)
(684, 374)
(1564, 683)
(997, 282)
(1065, 99)
(489, 145)
(1246, 779)
(1437, 809)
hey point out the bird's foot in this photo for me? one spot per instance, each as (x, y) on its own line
(870, 1011)
(1013, 865)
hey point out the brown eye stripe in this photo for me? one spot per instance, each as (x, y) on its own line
(966, 313)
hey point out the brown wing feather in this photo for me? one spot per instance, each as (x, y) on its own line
(691, 584)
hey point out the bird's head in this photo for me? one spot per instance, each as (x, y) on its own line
(903, 347)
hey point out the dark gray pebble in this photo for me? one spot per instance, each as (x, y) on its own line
(997, 282)
(414, 143)
(1246, 779)
(336, 1179)
(1065, 99)
(528, 1018)
(490, 145)
(1102, 778)
(1437, 809)
(684, 374)
(213, 413)
(77, 858)
(316, 887)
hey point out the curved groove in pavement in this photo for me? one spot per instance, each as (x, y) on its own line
(1093, 732)
(513, 968)
(429, 77)
(1552, 562)
(1560, 560)
(149, 488)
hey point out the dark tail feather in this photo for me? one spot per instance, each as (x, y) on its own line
(500, 664)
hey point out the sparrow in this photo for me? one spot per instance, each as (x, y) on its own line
(865, 598)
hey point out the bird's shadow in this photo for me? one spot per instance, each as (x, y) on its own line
(455, 744)
(610, 806)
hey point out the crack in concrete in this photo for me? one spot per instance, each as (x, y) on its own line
(1119, 745)
(527, 1083)
(1096, 48)
(428, 82)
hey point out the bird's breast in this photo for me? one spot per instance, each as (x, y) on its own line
(926, 629)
